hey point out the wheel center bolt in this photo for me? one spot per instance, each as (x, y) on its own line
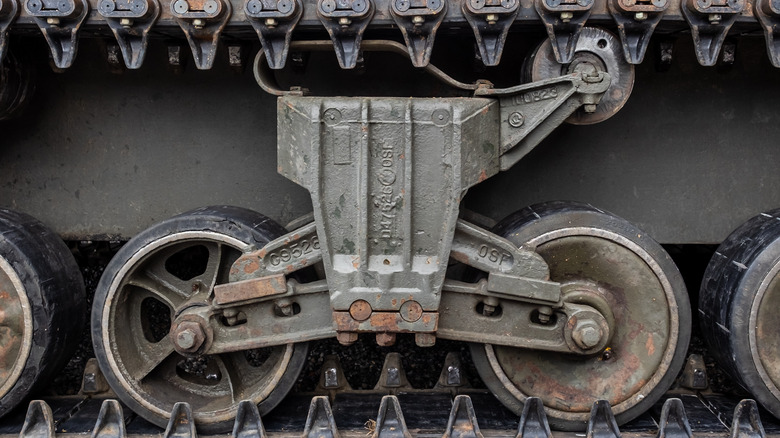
(587, 335)
(185, 339)
(188, 337)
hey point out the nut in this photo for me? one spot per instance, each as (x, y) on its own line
(188, 337)
(586, 334)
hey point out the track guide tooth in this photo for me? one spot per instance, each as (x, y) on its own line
(181, 424)
(332, 376)
(39, 421)
(533, 422)
(463, 420)
(248, 423)
(602, 422)
(110, 422)
(747, 421)
(320, 422)
(674, 421)
(390, 421)
(393, 377)
(452, 374)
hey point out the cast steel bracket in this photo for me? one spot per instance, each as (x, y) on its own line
(564, 19)
(130, 21)
(59, 21)
(9, 10)
(202, 21)
(418, 21)
(386, 176)
(530, 112)
(636, 20)
(490, 20)
(345, 21)
(710, 21)
(274, 21)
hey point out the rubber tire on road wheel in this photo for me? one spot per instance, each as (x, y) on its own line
(640, 284)
(205, 226)
(737, 302)
(47, 275)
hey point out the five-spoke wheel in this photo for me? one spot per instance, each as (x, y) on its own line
(163, 271)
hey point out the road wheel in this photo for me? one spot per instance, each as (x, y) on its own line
(605, 262)
(41, 306)
(142, 289)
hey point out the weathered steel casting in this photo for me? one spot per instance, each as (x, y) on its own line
(59, 22)
(130, 21)
(346, 21)
(202, 21)
(274, 22)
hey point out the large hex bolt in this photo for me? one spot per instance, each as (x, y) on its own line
(188, 337)
(587, 334)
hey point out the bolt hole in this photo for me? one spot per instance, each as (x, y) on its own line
(386, 261)
(602, 43)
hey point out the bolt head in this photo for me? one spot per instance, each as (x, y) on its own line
(188, 336)
(185, 339)
(640, 16)
(346, 338)
(587, 335)
(589, 108)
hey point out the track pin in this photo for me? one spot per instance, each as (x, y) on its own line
(393, 376)
(533, 422)
(39, 421)
(110, 422)
(390, 421)
(320, 422)
(248, 423)
(463, 420)
(747, 422)
(674, 421)
(602, 422)
(181, 424)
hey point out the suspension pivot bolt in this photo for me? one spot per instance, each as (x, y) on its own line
(188, 337)
(586, 334)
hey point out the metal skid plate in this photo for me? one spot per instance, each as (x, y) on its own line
(386, 176)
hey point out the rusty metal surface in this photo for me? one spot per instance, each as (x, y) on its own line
(250, 289)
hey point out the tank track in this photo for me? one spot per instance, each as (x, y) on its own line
(395, 413)
(277, 23)
(395, 409)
